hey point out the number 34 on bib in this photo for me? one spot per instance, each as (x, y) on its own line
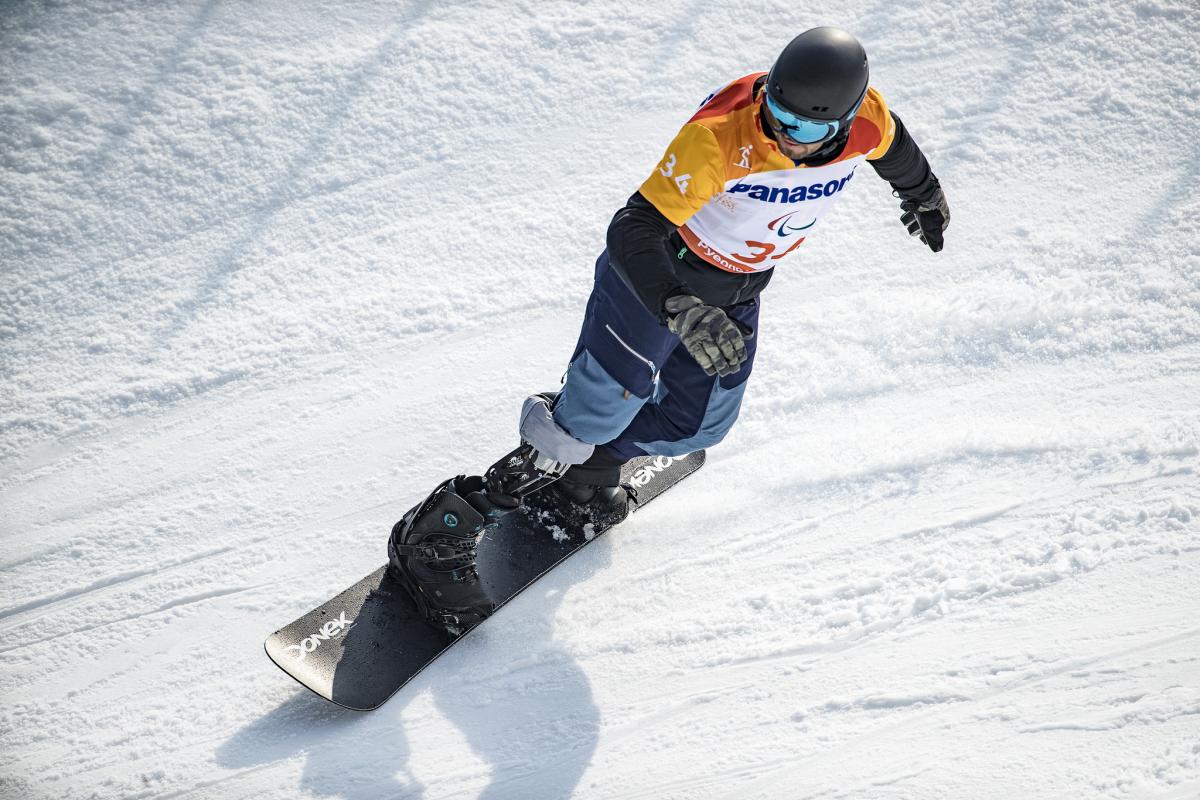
(668, 168)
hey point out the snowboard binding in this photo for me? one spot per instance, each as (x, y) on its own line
(432, 552)
(588, 496)
(432, 548)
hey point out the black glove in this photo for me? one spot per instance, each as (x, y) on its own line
(712, 338)
(927, 218)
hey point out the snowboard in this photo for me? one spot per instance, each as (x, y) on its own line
(362, 646)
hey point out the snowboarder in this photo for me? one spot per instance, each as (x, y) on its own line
(668, 341)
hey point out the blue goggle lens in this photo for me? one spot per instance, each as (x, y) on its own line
(799, 129)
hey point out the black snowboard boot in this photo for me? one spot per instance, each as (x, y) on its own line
(432, 552)
(592, 491)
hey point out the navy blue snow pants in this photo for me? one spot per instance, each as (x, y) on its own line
(632, 386)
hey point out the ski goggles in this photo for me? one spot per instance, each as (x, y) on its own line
(803, 130)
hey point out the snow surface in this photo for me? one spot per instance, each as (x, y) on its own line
(270, 270)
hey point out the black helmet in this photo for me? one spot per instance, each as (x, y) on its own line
(822, 74)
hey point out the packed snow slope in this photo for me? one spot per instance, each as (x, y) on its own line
(271, 270)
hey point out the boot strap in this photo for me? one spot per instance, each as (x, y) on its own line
(435, 552)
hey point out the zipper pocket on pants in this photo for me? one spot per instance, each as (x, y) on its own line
(649, 364)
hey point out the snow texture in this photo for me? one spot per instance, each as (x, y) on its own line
(272, 270)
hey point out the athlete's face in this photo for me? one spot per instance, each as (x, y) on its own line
(790, 148)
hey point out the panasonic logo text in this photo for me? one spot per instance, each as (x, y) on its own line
(791, 194)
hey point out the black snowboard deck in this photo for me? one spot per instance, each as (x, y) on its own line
(362, 646)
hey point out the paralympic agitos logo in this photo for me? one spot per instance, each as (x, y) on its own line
(783, 227)
(791, 194)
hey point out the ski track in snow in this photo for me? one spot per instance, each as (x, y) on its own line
(267, 276)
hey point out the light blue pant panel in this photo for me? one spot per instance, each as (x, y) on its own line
(592, 405)
(719, 416)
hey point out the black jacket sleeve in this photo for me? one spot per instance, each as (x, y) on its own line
(904, 166)
(638, 251)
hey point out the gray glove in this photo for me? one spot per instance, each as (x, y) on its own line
(712, 338)
(927, 219)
